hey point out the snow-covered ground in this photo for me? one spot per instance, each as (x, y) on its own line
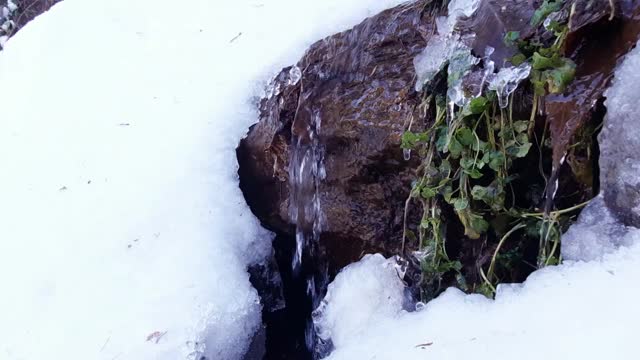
(586, 308)
(123, 234)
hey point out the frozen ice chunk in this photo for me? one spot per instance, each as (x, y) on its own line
(620, 143)
(295, 74)
(456, 9)
(460, 62)
(446, 45)
(360, 295)
(602, 226)
(433, 58)
(506, 81)
(596, 233)
(11, 6)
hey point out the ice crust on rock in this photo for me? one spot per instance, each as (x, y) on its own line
(446, 45)
(124, 233)
(586, 308)
(602, 226)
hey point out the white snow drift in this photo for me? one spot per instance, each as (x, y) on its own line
(578, 310)
(123, 233)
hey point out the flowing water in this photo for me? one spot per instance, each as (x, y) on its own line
(306, 171)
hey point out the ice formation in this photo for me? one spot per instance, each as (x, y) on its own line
(602, 227)
(6, 22)
(584, 309)
(446, 45)
(505, 82)
(124, 234)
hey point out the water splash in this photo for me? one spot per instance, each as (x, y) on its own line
(306, 171)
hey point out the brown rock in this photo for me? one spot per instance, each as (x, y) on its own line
(358, 85)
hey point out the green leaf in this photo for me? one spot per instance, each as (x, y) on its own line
(496, 160)
(466, 163)
(521, 126)
(522, 150)
(473, 173)
(460, 204)
(474, 224)
(522, 138)
(538, 82)
(428, 193)
(547, 7)
(518, 59)
(447, 193)
(445, 166)
(479, 224)
(540, 62)
(511, 36)
(478, 105)
(479, 192)
(446, 266)
(441, 139)
(480, 146)
(465, 136)
(492, 195)
(409, 140)
(455, 148)
(559, 78)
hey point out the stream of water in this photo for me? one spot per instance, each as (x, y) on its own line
(306, 171)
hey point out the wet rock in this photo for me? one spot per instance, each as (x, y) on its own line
(490, 23)
(358, 84)
(600, 36)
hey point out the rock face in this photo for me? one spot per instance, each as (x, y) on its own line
(352, 96)
(354, 92)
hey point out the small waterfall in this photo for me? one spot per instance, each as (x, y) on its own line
(306, 171)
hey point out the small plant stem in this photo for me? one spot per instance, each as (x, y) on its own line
(532, 118)
(502, 240)
(553, 251)
(555, 214)
(484, 277)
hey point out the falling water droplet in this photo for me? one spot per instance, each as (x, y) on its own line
(407, 154)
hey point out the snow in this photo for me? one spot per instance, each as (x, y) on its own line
(379, 293)
(586, 308)
(124, 234)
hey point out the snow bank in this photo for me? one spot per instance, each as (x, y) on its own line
(578, 310)
(124, 234)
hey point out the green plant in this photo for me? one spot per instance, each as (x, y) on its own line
(468, 165)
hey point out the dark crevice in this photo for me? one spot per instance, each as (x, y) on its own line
(285, 328)
(284, 325)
